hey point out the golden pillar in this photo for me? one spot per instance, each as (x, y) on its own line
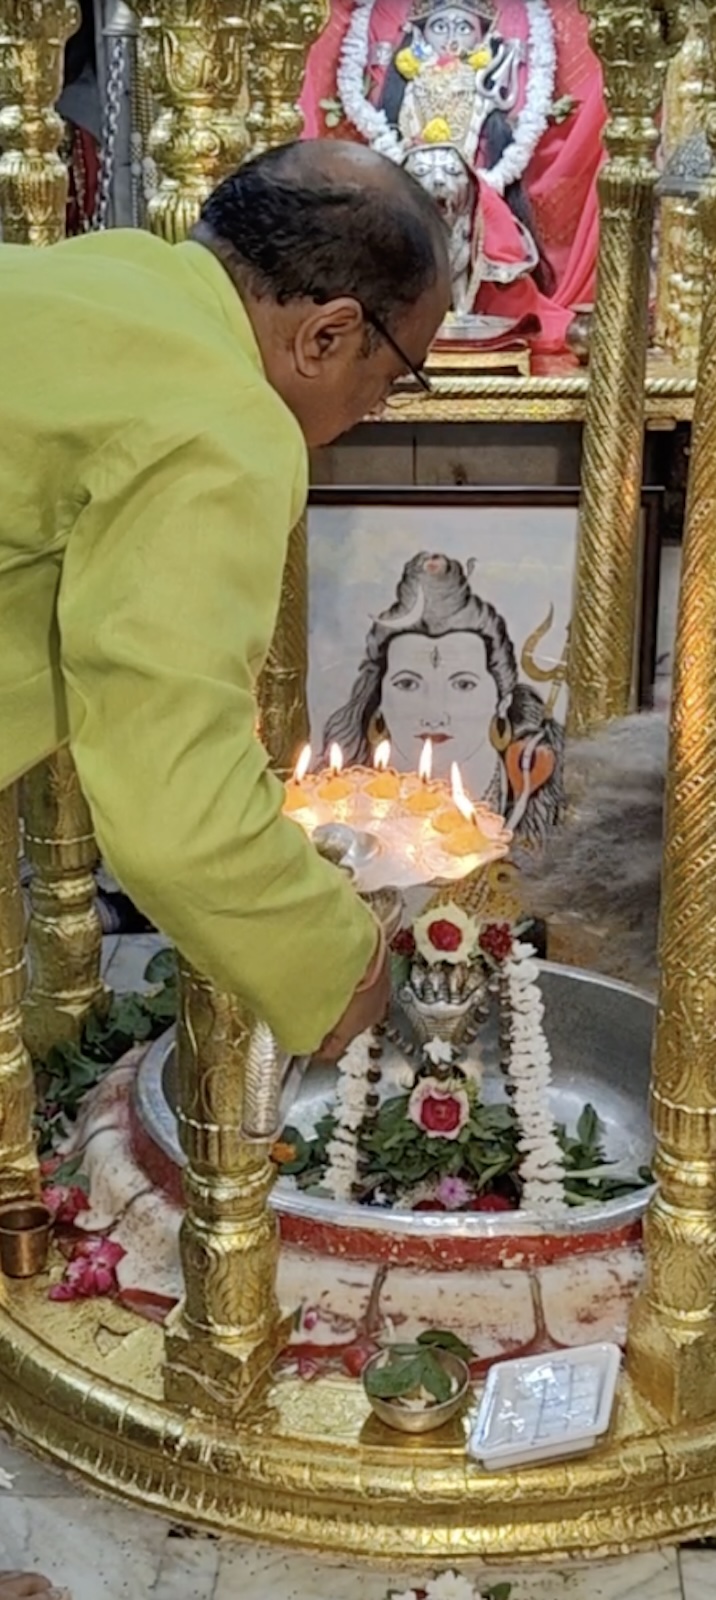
(283, 712)
(282, 33)
(672, 1345)
(65, 937)
(19, 1173)
(194, 56)
(229, 1328)
(632, 39)
(690, 96)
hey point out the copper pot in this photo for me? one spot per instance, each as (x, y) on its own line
(25, 1227)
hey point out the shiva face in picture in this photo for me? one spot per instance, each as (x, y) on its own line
(439, 664)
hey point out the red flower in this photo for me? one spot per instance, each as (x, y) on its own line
(49, 1166)
(441, 1113)
(496, 941)
(91, 1271)
(444, 936)
(65, 1202)
(404, 943)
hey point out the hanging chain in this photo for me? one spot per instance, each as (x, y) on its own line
(116, 78)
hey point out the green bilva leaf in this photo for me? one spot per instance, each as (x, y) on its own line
(443, 1339)
(589, 1127)
(396, 1378)
(435, 1378)
(499, 1591)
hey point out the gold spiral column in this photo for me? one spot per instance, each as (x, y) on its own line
(672, 1345)
(283, 711)
(632, 39)
(19, 1174)
(65, 937)
(229, 1328)
(690, 98)
(193, 51)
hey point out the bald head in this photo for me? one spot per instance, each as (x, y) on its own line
(322, 218)
(334, 249)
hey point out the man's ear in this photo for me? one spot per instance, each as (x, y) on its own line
(326, 333)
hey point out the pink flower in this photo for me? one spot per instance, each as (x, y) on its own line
(65, 1202)
(440, 1112)
(91, 1271)
(453, 1193)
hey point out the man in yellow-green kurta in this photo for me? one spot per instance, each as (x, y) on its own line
(155, 407)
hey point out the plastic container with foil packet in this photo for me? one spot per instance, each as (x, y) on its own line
(545, 1407)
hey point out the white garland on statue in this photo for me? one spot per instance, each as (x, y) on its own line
(373, 125)
(350, 1105)
(542, 1165)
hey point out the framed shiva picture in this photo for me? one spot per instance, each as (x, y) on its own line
(444, 614)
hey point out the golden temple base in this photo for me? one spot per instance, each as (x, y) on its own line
(306, 1465)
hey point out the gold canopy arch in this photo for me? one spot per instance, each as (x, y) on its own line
(176, 1419)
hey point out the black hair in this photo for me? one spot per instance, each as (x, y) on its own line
(298, 234)
(81, 49)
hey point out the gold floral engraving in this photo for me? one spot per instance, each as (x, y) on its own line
(194, 56)
(690, 99)
(282, 32)
(228, 1330)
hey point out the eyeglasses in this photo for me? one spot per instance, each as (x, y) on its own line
(415, 372)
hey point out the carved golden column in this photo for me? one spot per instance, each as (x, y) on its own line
(283, 711)
(19, 1173)
(282, 32)
(672, 1345)
(65, 937)
(690, 98)
(229, 1328)
(632, 39)
(194, 56)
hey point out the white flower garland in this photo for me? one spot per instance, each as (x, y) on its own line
(542, 1165)
(350, 1106)
(373, 125)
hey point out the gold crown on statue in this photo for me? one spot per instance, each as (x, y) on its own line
(423, 10)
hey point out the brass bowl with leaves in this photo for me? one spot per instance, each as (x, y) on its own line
(430, 1416)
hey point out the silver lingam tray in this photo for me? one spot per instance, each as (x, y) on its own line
(600, 1034)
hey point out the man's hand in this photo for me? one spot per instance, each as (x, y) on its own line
(368, 1006)
(24, 1586)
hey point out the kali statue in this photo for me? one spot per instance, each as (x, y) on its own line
(447, 112)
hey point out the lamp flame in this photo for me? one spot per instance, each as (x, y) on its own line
(303, 764)
(425, 769)
(464, 806)
(336, 759)
(381, 759)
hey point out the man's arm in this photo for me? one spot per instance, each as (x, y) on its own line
(170, 590)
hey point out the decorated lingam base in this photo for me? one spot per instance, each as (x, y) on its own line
(88, 1383)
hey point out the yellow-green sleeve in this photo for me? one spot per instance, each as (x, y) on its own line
(169, 595)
